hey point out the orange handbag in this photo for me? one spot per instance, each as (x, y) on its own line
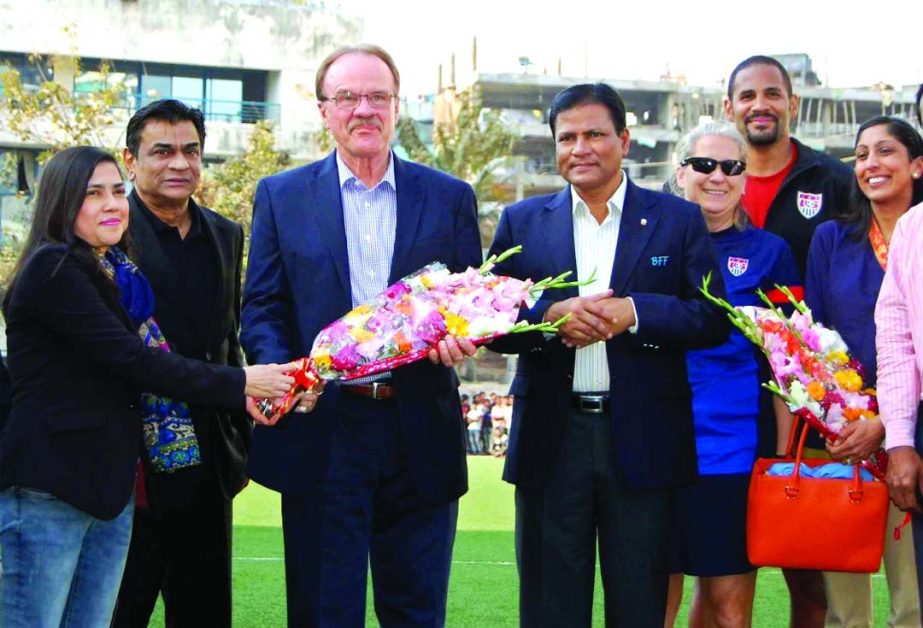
(814, 523)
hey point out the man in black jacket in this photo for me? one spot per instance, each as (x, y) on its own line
(181, 543)
(790, 188)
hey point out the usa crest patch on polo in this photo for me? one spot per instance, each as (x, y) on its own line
(737, 266)
(809, 204)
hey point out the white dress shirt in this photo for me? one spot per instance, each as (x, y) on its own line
(594, 245)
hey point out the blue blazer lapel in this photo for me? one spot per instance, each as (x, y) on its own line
(324, 192)
(558, 229)
(635, 229)
(410, 203)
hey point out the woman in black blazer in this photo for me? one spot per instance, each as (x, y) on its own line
(75, 312)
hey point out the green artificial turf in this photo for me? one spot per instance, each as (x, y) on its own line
(483, 586)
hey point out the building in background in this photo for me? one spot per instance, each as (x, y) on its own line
(240, 61)
(659, 113)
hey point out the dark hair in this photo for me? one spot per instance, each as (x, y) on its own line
(917, 102)
(587, 94)
(167, 110)
(61, 192)
(366, 49)
(759, 60)
(859, 209)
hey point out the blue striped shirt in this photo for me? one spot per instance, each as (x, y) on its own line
(370, 218)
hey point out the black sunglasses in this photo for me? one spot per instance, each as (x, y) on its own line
(707, 165)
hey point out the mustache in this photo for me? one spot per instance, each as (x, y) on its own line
(366, 121)
(761, 114)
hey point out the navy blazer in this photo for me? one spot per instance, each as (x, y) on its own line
(298, 283)
(78, 367)
(663, 252)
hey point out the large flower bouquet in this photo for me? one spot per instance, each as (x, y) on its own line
(403, 323)
(813, 371)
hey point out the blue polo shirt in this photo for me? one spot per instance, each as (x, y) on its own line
(732, 414)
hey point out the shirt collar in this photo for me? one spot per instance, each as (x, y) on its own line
(346, 175)
(615, 203)
(159, 226)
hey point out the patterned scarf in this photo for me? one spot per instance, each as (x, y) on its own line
(879, 246)
(169, 437)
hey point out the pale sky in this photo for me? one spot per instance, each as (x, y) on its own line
(850, 43)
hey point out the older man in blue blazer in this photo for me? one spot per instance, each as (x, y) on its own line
(602, 420)
(373, 474)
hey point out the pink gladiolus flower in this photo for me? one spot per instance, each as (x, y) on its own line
(396, 290)
(346, 358)
(811, 339)
(784, 365)
(431, 329)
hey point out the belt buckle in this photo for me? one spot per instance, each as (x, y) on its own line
(592, 404)
(375, 386)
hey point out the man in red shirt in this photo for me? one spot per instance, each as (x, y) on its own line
(790, 188)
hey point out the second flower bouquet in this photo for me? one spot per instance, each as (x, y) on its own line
(811, 366)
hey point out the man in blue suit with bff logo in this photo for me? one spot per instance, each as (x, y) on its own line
(372, 476)
(602, 417)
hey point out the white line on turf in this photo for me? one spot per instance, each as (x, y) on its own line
(279, 559)
(503, 563)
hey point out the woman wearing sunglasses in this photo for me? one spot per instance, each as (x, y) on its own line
(734, 419)
(846, 265)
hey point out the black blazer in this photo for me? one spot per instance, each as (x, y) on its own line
(224, 437)
(78, 367)
(4, 393)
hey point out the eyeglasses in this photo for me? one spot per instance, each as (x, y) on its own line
(346, 99)
(707, 165)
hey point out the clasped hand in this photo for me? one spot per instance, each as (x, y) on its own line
(592, 318)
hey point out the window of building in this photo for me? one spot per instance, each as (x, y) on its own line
(223, 94)
(225, 99)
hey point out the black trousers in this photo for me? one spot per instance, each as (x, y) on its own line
(185, 554)
(558, 526)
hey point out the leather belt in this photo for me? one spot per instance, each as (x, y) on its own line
(591, 403)
(374, 390)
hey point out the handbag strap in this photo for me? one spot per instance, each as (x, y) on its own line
(791, 436)
(856, 492)
(792, 489)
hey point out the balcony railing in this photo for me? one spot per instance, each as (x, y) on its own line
(238, 111)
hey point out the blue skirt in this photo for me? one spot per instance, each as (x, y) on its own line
(710, 526)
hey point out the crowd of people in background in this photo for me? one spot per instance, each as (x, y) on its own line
(488, 419)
